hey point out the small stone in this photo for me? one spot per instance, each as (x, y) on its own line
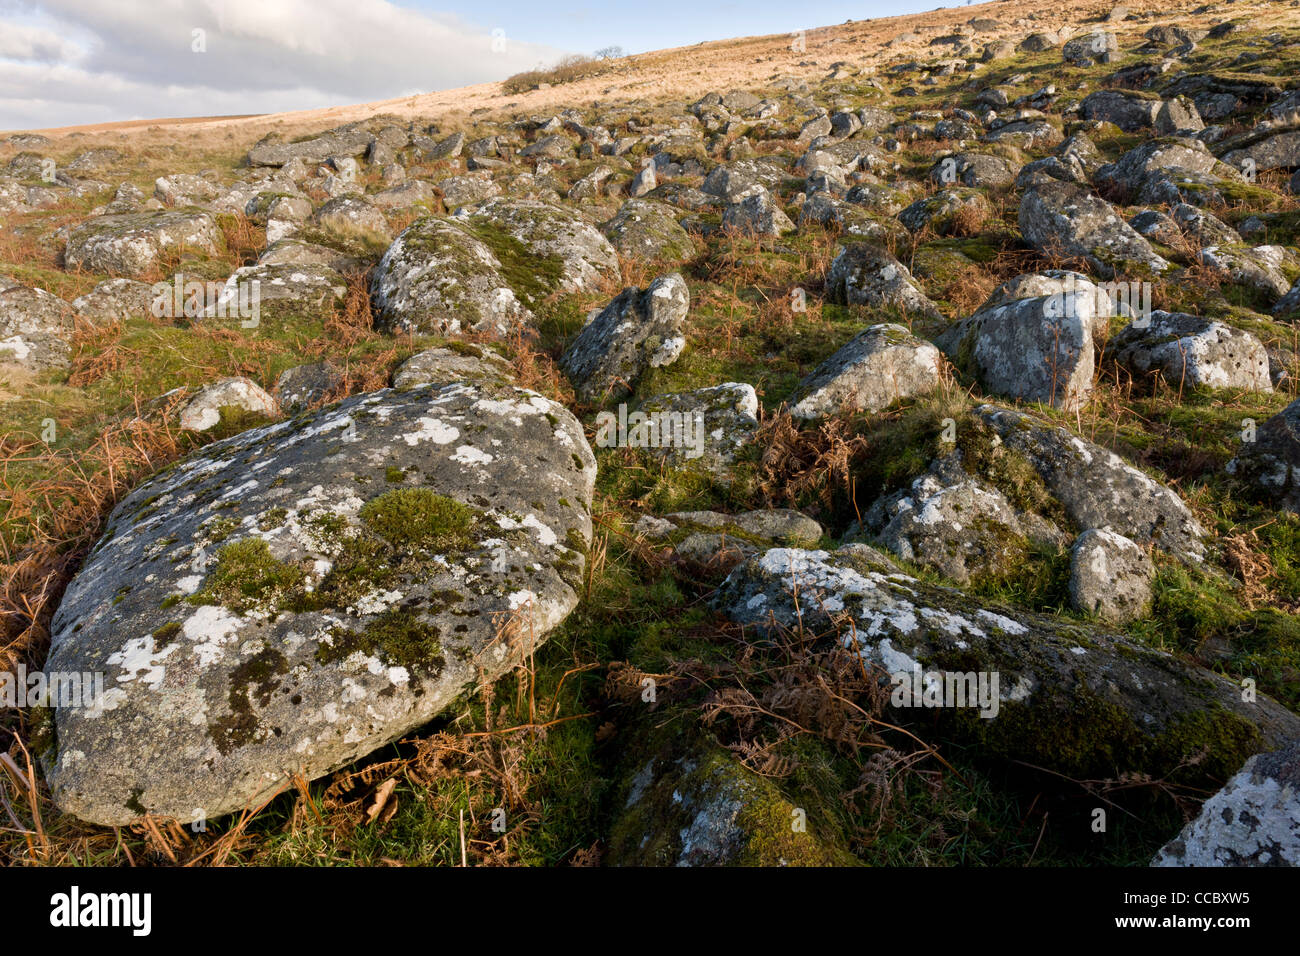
(203, 411)
(1110, 576)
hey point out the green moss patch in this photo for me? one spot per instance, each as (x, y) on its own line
(418, 518)
(246, 576)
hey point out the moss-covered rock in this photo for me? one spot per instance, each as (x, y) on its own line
(683, 800)
(1068, 697)
(275, 604)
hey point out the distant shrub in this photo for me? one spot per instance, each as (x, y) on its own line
(566, 70)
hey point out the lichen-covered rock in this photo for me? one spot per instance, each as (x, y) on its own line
(757, 215)
(116, 299)
(352, 215)
(1192, 351)
(640, 330)
(1066, 219)
(183, 189)
(590, 186)
(550, 231)
(203, 411)
(1269, 458)
(955, 523)
(1288, 307)
(1039, 42)
(447, 148)
(1126, 177)
(736, 181)
(722, 417)
(1178, 115)
(1051, 282)
(777, 526)
(130, 244)
(643, 229)
(876, 368)
(301, 288)
(865, 274)
(1110, 576)
(287, 600)
(471, 188)
(1027, 134)
(458, 362)
(1266, 149)
(1036, 350)
(1260, 267)
(1097, 488)
(715, 543)
(439, 278)
(682, 800)
(947, 211)
(346, 141)
(1098, 46)
(304, 385)
(852, 221)
(643, 182)
(977, 170)
(96, 160)
(1127, 109)
(1253, 821)
(412, 194)
(1203, 228)
(275, 206)
(1069, 697)
(35, 328)
(295, 252)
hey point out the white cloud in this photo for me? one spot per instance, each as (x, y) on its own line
(65, 62)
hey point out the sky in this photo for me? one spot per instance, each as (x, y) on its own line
(68, 62)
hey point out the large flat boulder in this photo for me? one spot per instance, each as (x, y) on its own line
(130, 244)
(289, 599)
(1072, 698)
(1065, 219)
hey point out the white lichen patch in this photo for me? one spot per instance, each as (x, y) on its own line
(434, 430)
(210, 628)
(140, 661)
(469, 455)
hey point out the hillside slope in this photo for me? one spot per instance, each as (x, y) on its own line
(878, 452)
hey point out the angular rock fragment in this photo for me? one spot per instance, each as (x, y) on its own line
(641, 329)
(1110, 576)
(876, 368)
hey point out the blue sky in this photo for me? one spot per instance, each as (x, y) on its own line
(656, 24)
(67, 62)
